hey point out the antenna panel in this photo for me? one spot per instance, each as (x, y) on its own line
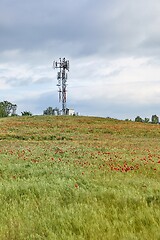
(58, 75)
(68, 65)
(55, 64)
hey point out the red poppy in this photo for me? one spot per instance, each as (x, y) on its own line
(76, 185)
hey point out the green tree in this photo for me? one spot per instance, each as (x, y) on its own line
(7, 109)
(56, 111)
(51, 111)
(26, 113)
(2, 111)
(138, 119)
(48, 111)
(146, 120)
(155, 119)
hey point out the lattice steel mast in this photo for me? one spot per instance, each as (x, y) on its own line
(63, 66)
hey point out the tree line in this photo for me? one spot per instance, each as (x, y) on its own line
(154, 119)
(9, 109)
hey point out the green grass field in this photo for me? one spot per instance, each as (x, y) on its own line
(68, 178)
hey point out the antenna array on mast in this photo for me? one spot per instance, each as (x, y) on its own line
(63, 66)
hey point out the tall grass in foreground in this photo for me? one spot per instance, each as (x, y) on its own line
(79, 178)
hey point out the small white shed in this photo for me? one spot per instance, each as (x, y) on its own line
(70, 111)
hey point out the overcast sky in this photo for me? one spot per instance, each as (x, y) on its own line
(113, 47)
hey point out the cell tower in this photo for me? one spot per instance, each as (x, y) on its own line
(63, 66)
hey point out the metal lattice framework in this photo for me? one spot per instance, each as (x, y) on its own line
(63, 66)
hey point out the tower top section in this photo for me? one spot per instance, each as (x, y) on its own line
(63, 63)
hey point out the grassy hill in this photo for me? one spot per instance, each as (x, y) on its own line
(79, 178)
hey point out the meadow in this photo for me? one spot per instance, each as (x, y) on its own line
(66, 178)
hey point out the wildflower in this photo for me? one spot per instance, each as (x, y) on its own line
(76, 185)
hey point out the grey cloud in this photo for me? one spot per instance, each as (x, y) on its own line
(21, 82)
(86, 27)
(14, 82)
(34, 33)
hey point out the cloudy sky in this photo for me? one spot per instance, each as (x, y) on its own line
(113, 47)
